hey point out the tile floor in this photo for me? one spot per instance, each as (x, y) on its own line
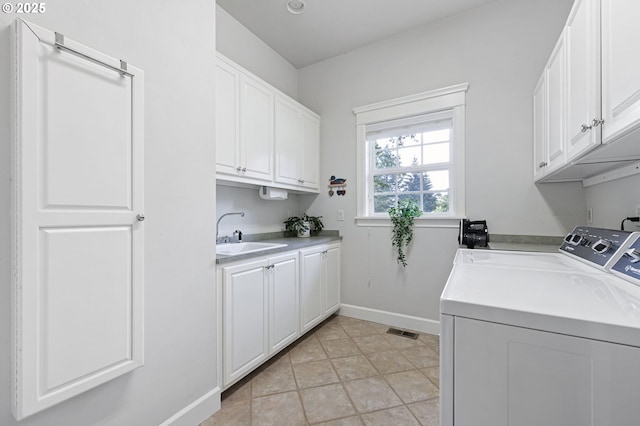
(344, 372)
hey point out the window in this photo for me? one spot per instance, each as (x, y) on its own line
(412, 147)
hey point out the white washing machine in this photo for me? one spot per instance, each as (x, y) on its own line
(543, 339)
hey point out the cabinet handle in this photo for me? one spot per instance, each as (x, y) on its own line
(238, 169)
(244, 169)
(269, 267)
(584, 128)
(542, 164)
(597, 121)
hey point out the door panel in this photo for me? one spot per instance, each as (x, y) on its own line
(620, 67)
(333, 278)
(245, 318)
(227, 119)
(288, 142)
(283, 309)
(505, 375)
(311, 154)
(84, 294)
(583, 63)
(539, 129)
(78, 246)
(556, 107)
(312, 288)
(256, 131)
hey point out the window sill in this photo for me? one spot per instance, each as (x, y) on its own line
(420, 222)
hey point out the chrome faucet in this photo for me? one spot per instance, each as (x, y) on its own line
(225, 239)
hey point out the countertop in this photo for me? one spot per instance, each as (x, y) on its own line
(535, 243)
(293, 243)
(545, 248)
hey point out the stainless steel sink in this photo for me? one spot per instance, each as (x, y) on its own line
(236, 249)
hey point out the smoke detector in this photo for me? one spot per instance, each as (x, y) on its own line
(295, 6)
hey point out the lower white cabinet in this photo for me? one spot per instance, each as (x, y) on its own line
(505, 375)
(245, 318)
(320, 284)
(283, 301)
(269, 301)
(260, 315)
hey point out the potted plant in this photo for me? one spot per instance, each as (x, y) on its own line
(300, 226)
(402, 216)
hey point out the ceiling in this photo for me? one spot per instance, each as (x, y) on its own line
(329, 28)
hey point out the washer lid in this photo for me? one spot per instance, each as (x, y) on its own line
(522, 260)
(588, 304)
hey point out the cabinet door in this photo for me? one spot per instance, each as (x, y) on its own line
(245, 318)
(620, 67)
(506, 375)
(256, 129)
(78, 248)
(227, 118)
(283, 301)
(333, 273)
(312, 287)
(539, 129)
(310, 158)
(289, 133)
(556, 107)
(583, 78)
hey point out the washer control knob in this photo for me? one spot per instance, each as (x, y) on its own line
(633, 254)
(574, 239)
(601, 246)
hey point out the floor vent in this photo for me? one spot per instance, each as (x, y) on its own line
(403, 333)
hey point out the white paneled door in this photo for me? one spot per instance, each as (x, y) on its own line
(78, 218)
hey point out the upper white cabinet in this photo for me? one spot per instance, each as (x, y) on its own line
(555, 74)
(244, 125)
(588, 99)
(582, 35)
(78, 230)
(256, 129)
(297, 135)
(227, 119)
(620, 67)
(539, 128)
(263, 137)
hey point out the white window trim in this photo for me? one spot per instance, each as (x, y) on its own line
(449, 98)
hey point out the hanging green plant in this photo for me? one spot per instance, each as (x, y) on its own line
(402, 216)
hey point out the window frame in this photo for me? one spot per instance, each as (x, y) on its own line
(452, 99)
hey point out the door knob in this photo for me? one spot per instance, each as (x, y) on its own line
(140, 217)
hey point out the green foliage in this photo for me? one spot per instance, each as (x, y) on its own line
(402, 216)
(297, 226)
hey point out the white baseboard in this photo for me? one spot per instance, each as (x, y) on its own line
(407, 322)
(196, 412)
